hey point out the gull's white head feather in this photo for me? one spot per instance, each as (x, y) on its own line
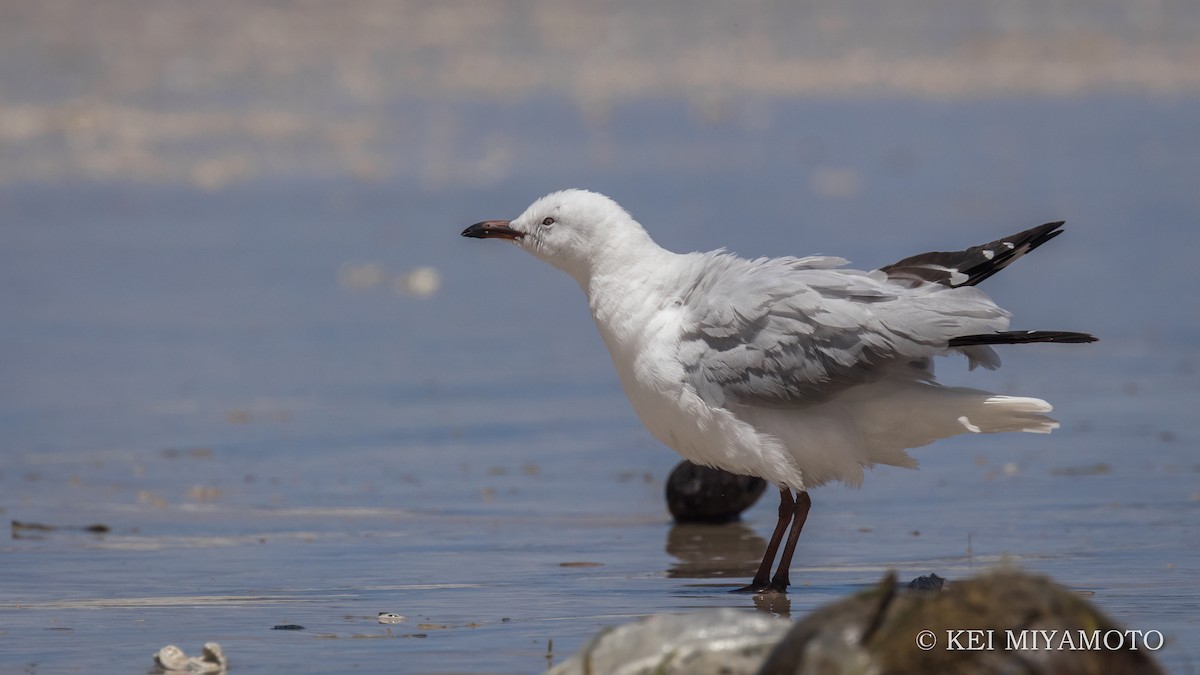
(577, 231)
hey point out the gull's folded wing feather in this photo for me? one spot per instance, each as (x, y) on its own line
(969, 267)
(791, 331)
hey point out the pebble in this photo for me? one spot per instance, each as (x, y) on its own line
(172, 659)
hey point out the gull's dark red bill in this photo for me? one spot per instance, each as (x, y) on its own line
(492, 229)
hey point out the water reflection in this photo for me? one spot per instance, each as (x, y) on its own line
(777, 604)
(730, 550)
(704, 551)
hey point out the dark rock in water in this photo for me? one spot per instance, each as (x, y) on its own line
(885, 630)
(932, 582)
(20, 529)
(699, 494)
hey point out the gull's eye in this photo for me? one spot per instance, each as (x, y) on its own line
(548, 221)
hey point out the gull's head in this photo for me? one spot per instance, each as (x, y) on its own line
(574, 230)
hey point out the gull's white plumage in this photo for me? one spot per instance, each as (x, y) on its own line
(791, 369)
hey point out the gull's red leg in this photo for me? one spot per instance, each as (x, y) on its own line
(762, 579)
(780, 581)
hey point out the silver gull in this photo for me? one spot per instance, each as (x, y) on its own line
(796, 370)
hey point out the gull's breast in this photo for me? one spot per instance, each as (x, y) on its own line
(643, 340)
(645, 355)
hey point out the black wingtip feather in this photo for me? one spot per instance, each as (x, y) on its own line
(975, 264)
(1018, 337)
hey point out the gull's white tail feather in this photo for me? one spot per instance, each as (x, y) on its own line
(912, 414)
(877, 423)
(1010, 413)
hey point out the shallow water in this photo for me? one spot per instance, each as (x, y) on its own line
(269, 446)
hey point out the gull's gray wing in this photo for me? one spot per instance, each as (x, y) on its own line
(791, 331)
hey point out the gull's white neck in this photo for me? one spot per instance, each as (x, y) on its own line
(627, 284)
